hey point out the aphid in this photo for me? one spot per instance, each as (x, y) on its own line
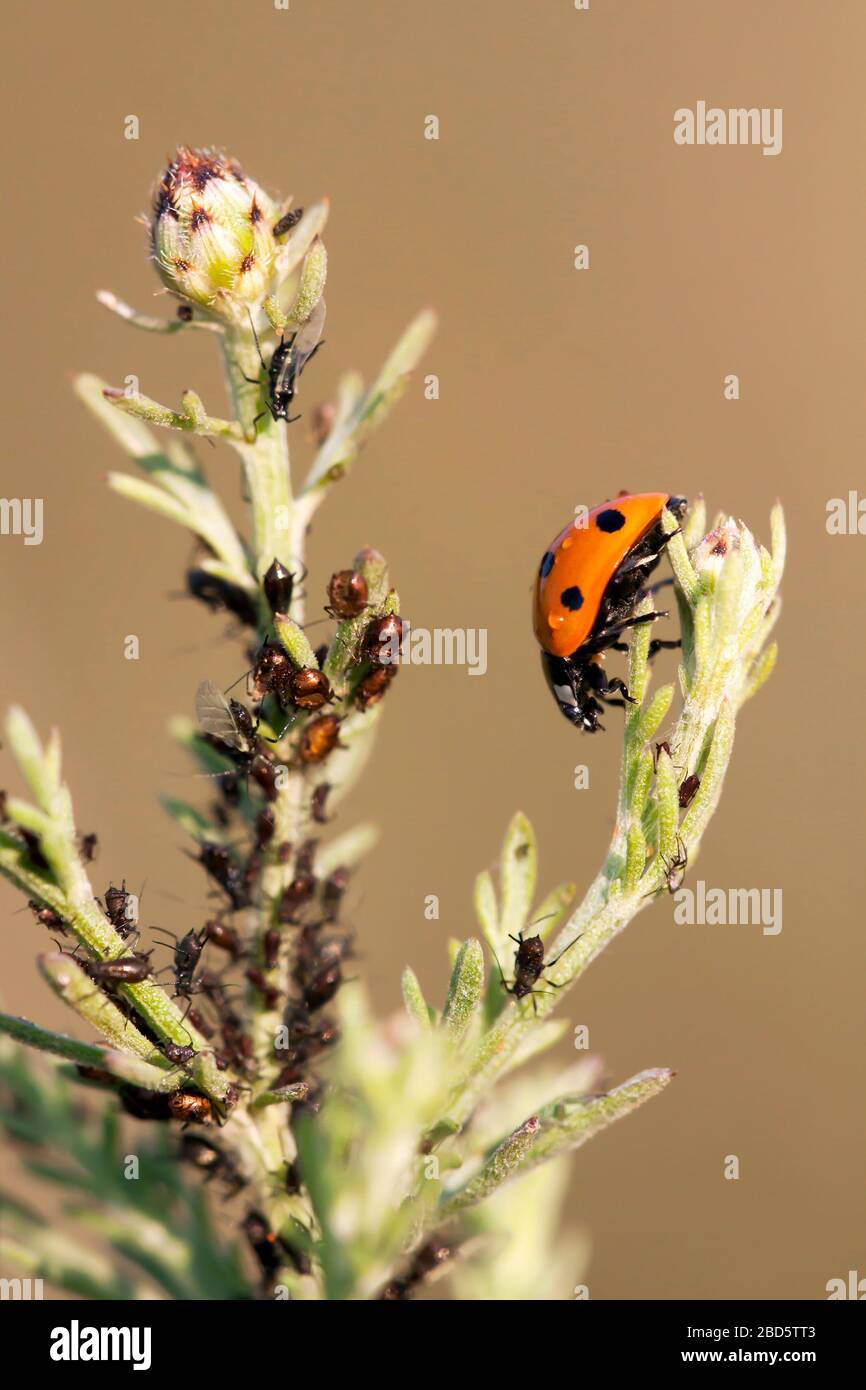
(219, 865)
(287, 222)
(270, 995)
(239, 1047)
(308, 1038)
(589, 582)
(675, 867)
(383, 639)
(278, 585)
(47, 916)
(127, 970)
(663, 746)
(184, 313)
(322, 422)
(218, 594)
(288, 360)
(119, 909)
(211, 1161)
(433, 1254)
(200, 1023)
(309, 688)
(323, 985)
(225, 937)
(179, 1053)
(306, 863)
(318, 803)
(529, 963)
(265, 826)
(187, 954)
(227, 721)
(319, 738)
(33, 848)
(274, 674)
(191, 1109)
(299, 891)
(347, 594)
(688, 790)
(333, 890)
(88, 847)
(95, 1074)
(271, 947)
(374, 685)
(143, 1104)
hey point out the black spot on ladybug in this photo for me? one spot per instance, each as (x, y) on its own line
(611, 519)
(572, 599)
(547, 562)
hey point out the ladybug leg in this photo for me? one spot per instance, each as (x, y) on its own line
(600, 639)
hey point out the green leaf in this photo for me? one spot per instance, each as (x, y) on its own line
(464, 991)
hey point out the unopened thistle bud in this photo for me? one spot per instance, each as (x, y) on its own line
(212, 234)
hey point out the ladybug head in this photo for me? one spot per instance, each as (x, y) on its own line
(570, 688)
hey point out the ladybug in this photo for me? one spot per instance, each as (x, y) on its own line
(589, 582)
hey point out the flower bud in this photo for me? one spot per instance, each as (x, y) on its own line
(212, 234)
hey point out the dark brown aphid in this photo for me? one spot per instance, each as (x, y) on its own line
(333, 891)
(270, 995)
(33, 848)
(319, 803)
(219, 865)
(265, 826)
(299, 891)
(307, 856)
(187, 953)
(307, 1039)
(179, 1053)
(218, 594)
(238, 1045)
(96, 1074)
(664, 745)
(225, 937)
(47, 916)
(271, 947)
(89, 846)
(688, 790)
(433, 1254)
(211, 1161)
(309, 688)
(118, 909)
(383, 639)
(347, 594)
(529, 962)
(272, 672)
(373, 687)
(266, 775)
(200, 1023)
(191, 1109)
(128, 970)
(287, 221)
(278, 585)
(322, 422)
(320, 737)
(145, 1105)
(323, 986)
(184, 313)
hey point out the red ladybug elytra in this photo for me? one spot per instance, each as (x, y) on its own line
(589, 582)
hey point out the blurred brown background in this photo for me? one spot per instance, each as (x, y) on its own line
(557, 387)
